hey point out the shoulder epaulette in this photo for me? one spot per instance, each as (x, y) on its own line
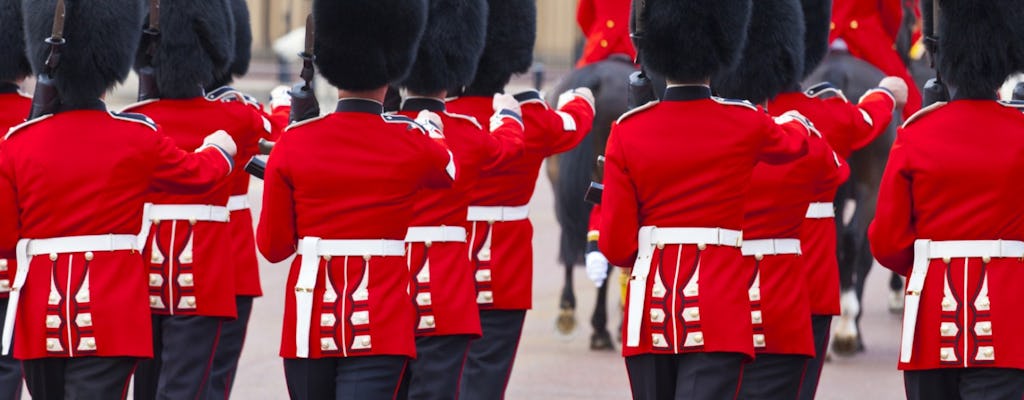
(735, 102)
(136, 118)
(636, 111)
(468, 118)
(530, 97)
(23, 125)
(825, 90)
(139, 104)
(304, 122)
(401, 119)
(924, 111)
(220, 92)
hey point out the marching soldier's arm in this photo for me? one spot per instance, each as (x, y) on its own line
(830, 171)
(870, 117)
(620, 210)
(436, 162)
(572, 121)
(176, 171)
(276, 234)
(8, 210)
(506, 141)
(892, 234)
(784, 138)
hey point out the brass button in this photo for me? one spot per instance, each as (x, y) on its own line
(759, 340)
(694, 313)
(945, 354)
(946, 303)
(987, 328)
(604, 43)
(191, 301)
(989, 352)
(698, 338)
(86, 319)
(947, 260)
(89, 256)
(832, 26)
(947, 329)
(657, 341)
(51, 345)
(986, 259)
(661, 246)
(324, 345)
(367, 258)
(430, 321)
(610, 24)
(53, 256)
(854, 24)
(192, 221)
(3, 264)
(153, 301)
(702, 246)
(188, 280)
(366, 341)
(759, 256)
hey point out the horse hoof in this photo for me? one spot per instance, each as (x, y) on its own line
(601, 341)
(844, 345)
(566, 322)
(896, 300)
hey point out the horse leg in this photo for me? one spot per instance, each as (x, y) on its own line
(845, 330)
(566, 322)
(601, 339)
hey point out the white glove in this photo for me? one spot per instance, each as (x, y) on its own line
(507, 102)
(581, 92)
(280, 97)
(432, 123)
(222, 140)
(597, 267)
(793, 115)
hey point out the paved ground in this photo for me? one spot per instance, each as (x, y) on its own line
(550, 366)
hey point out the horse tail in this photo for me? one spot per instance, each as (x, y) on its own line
(573, 213)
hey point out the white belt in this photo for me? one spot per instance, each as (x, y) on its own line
(821, 211)
(770, 247)
(435, 234)
(27, 248)
(311, 249)
(188, 212)
(498, 214)
(927, 250)
(238, 202)
(648, 239)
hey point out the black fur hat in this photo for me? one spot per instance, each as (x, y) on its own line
(692, 40)
(367, 44)
(196, 41)
(773, 57)
(12, 48)
(981, 43)
(243, 38)
(451, 46)
(511, 34)
(101, 44)
(818, 22)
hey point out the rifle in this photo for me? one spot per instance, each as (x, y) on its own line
(148, 88)
(46, 99)
(934, 90)
(304, 103)
(596, 189)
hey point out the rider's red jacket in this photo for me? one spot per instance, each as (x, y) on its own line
(605, 24)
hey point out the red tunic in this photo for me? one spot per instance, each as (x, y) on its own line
(510, 256)
(605, 24)
(846, 127)
(353, 174)
(776, 209)
(716, 143)
(953, 174)
(88, 172)
(190, 270)
(869, 29)
(443, 271)
(14, 108)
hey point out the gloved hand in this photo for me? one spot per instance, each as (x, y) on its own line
(280, 97)
(898, 87)
(221, 140)
(570, 95)
(432, 123)
(793, 115)
(505, 106)
(597, 267)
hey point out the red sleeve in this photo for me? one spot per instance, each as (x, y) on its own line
(436, 162)
(585, 16)
(620, 209)
(9, 221)
(872, 116)
(505, 143)
(594, 228)
(176, 171)
(892, 233)
(828, 169)
(784, 139)
(569, 125)
(276, 234)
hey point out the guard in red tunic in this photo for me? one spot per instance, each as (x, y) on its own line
(190, 273)
(341, 190)
(868, 29)
(240, 225)
(500, 233)
(72, 187)
(447, 316)
(14, 109)
(605, 24)
(688, 317)
(950, 219)
(776, 206)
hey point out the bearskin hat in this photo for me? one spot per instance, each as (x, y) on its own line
(12, 48)
(692, 40)
(451, 46)
(196, 41)
(817, 21)
(367, 44)
(242, 44)
(511, 34)
(101, 44)
(981, 43)
(773, 57)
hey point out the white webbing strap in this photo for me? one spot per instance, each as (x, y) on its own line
(304, 285)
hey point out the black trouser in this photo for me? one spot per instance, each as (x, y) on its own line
(229, 349)
(773, 377)
(85, 378)
(183, 348)
(490, 359)
(437, 369)
(10, 369)
(965, 384)
(353, 378)
(693, 376)
(822, 325)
